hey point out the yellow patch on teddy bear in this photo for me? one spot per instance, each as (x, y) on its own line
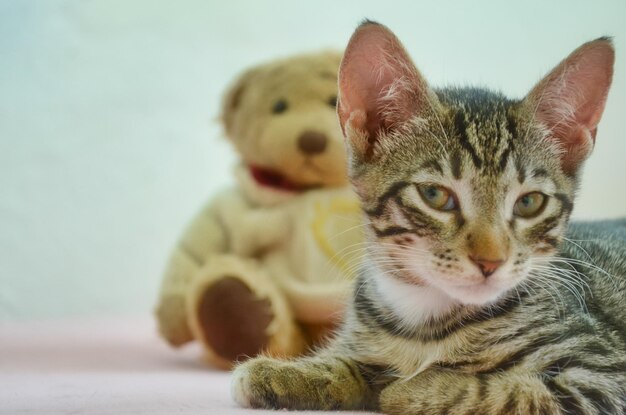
(343, 248)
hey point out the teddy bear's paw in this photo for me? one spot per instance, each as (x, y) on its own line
(233, 319)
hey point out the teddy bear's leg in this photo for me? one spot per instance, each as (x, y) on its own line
(236, 311)
(204, 237)
(171, 310)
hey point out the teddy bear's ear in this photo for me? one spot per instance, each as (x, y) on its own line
(233, 98)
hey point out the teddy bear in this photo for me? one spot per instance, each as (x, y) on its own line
(267, 265)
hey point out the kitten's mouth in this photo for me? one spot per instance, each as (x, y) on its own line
(478, 293)
(276, 180)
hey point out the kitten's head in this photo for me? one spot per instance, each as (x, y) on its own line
(466, 190)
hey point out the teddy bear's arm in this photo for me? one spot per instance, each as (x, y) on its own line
(206, 234)
(317, 303)
(253, 230)
(261, 229)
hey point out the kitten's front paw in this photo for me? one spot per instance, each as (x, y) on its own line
(314, 383)
(260, 383)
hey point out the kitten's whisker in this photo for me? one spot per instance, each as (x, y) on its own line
(546, 286)
(571, 262)
(362, 225)
(574, 274)
(566, 283)
(583, 263)
(567, 277)
(383, 260)
(571, 241)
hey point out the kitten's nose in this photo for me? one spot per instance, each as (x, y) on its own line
(312, 142)
(487, 266)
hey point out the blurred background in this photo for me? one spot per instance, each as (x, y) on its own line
(109, 140)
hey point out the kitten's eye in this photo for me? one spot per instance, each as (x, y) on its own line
(530, 205)
(280, 106)
(332, 101)
(437, 197)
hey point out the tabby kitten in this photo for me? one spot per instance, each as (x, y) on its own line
(471, 299)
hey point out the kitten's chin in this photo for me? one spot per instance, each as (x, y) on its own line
(476, 294)
(413, 303)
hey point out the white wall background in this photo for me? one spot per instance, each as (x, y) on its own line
(108, 143)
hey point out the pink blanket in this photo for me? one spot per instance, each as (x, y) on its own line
(113, 366)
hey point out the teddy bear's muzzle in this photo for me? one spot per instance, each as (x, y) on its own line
(312, 142)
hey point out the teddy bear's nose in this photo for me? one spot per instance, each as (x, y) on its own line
(312, 142)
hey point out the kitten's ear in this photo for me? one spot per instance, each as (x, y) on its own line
(570, 100)
(379, 87)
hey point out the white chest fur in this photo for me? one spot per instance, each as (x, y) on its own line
(413, 305)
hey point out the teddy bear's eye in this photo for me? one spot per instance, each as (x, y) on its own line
(280, 106)
(332, 101)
